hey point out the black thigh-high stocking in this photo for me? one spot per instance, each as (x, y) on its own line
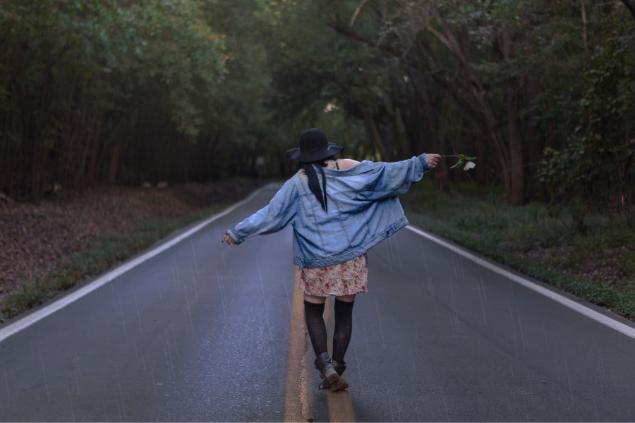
(343, 328)
(315, 325)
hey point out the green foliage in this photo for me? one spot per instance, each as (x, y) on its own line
(126, 92)
(536, 243)
(462, 159)
(83, 80)
(597, 157)
(144, 42)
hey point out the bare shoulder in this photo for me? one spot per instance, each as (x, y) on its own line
(344, 164)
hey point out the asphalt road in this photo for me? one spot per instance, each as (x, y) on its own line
(201, 332)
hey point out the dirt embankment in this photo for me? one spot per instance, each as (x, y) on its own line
(40, 238)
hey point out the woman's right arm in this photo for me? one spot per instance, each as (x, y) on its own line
(272, 218)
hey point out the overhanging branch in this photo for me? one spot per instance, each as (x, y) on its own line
(630, 5)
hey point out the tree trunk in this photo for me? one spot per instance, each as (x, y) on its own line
(534, 143)
(114, 164)
(630, 5)
(515, 149)
(395, 131)
(433, 143)
(510, 85)
(584, 31)
(368, 118)
(480, 161)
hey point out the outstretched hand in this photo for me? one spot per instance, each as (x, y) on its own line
(228, 239)
(433, 160)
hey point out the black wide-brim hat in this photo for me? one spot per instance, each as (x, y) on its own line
(314, 146)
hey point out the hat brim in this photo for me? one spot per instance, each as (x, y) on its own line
(313, 156)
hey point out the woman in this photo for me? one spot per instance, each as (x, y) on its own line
(335, 223)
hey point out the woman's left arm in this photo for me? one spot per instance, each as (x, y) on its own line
(272, 218)
(395, 178)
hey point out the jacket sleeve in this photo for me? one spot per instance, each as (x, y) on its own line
(280, 211)
(391, 179)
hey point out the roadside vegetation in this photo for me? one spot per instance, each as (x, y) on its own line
(141, 223)
(596, 263)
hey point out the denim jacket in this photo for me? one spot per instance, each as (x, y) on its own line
(362, 210)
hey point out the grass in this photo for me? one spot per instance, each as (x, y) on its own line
(109, 250)
(597, 265)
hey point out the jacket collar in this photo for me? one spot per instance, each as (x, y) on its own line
(361, 167)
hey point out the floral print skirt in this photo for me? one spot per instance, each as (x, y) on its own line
(350, 277)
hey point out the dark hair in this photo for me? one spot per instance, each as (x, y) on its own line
(314, 185)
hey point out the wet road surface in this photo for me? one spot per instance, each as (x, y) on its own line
(202, 332)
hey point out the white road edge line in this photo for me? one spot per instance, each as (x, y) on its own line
(607, 321)
(27, 321)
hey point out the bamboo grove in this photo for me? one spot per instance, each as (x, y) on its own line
(541, 92)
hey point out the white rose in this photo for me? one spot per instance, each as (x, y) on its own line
(469, 165)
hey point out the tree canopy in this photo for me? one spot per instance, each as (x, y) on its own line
(541, 92)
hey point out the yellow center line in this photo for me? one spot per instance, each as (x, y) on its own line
(297, 395)
(340, 403)
(296, 404)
